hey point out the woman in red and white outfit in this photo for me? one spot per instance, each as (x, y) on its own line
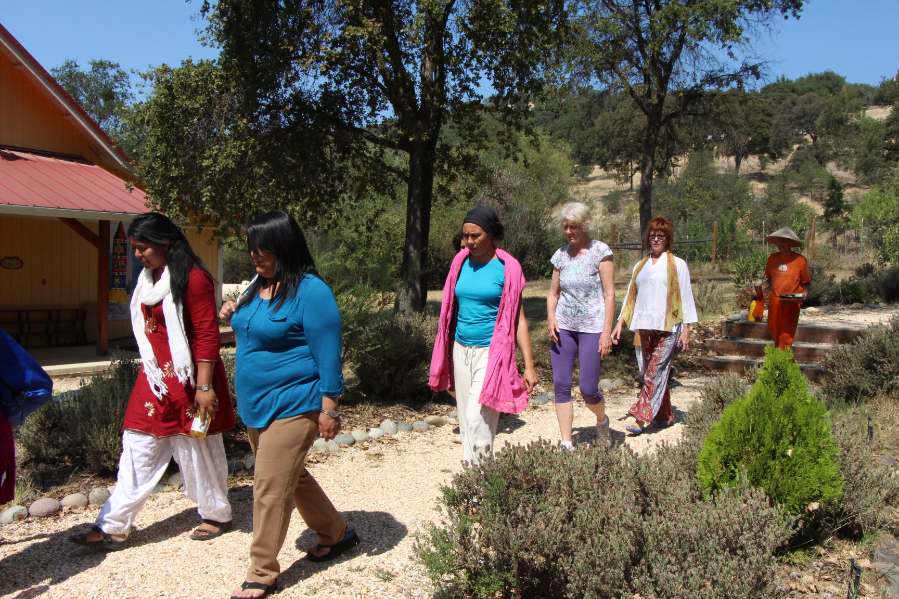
(175, 323)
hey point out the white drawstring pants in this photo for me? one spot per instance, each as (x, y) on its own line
(144, 460)
(477, 423)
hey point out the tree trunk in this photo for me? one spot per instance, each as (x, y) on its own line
(738, 160)
(647, 171)
(412, 294)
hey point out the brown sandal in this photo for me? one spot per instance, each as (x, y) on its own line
(106, 542)
(203, 534)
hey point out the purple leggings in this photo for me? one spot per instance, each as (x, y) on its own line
(586, 347)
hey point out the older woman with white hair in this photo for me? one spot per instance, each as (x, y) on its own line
(580, 307)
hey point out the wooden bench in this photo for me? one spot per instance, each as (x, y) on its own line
(44, 326)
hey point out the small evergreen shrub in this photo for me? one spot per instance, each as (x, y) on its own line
(390, 353)
(856, 372)
(777, 438)
(85, 428)
(537, 522)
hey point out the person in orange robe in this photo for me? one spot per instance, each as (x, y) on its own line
(786, 274)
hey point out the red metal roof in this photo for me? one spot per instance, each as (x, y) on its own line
(57, 92)
(42, 182)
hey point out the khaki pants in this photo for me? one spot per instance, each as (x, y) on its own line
(280, 482)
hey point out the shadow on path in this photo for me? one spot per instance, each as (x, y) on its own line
(55, 559)
(509, 423)
(379, 532)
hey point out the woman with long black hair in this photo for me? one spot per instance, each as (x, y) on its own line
(182, 378)
(288, 379)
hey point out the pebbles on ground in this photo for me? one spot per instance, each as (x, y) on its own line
(98, 496)
(74, 501)
(43, 507)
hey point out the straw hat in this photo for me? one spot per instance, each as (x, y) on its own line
(785, 233)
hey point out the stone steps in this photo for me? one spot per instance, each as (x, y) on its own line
(742, 349)
(755, 348)
(806, 333)
(743, 365)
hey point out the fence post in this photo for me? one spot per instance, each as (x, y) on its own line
(714, 241)
(810, 238)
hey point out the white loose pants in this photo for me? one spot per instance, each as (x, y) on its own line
(477, 423)
(144, 460)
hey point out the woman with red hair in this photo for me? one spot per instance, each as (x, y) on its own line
(659, 308)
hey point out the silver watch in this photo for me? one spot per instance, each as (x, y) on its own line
(332, 413)
(203, 387)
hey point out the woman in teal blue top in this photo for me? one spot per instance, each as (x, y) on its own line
(288, 378)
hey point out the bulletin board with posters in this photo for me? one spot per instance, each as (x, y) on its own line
(123, 270)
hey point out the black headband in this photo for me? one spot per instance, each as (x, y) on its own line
(483, 217)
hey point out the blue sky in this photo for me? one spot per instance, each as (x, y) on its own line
(856, 39)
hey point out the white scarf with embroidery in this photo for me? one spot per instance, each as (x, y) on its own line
(148, 293)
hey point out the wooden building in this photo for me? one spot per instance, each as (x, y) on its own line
(66, 189)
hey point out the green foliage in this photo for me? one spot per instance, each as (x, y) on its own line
(203, 153)
(701, 197)
(388, 352)
(747, 270)
(236, 262)
(869, 147)
(84, 429)
(777, 438)
(666, 56)
(877, 215)
(834, 204)
(366, 75)
(857, 372)
(779, 207)
(103, 91)
(537, 522)
(888, 283)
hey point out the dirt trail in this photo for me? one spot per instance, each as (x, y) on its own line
(390, 493)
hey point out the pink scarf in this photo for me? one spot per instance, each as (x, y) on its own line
(503, 389)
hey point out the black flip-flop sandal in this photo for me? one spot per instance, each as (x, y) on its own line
(106, 542)
(267, 589)
(201, 534)
(350, 539)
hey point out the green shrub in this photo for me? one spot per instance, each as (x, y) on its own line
(888, 284)
(389, 353)
(537, 522)
(777, 438)
(856, 372)
(748, 270)
(852, 290)
(84, 429)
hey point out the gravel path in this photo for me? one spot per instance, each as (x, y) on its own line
(388, 491)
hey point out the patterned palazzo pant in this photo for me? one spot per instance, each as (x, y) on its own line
(659, 349)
